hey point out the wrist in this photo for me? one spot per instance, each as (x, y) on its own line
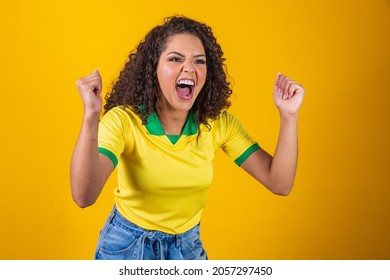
(286, 116)
(91, 117)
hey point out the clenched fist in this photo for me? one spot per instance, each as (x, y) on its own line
(90, 88)
(288, 95)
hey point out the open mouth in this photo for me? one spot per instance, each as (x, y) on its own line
(185, 88)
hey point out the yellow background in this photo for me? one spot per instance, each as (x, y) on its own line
(339, 208)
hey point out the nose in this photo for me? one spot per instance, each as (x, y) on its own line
(188, 68)
(189, 71)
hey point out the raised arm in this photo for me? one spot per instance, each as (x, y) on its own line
(89, 170)
(277, 173)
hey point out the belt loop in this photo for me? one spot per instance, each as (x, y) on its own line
(177, 241)
(161, 249)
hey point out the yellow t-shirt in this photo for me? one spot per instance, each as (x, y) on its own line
(163, 180)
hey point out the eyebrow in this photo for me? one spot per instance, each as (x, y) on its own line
(182, 55)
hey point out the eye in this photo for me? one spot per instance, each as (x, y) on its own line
(175, 59)
(200, 61)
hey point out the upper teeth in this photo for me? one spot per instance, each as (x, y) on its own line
(186, 82)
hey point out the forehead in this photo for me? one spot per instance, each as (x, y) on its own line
(184, 43)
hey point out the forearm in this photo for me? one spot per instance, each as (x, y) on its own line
(84, 172)
(284, 163)
(277, 173)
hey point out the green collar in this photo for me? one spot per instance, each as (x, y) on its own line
(154, 126)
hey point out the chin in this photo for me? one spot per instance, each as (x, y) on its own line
(184, 105)
(184, 108)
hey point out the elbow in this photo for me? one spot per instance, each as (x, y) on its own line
(282, 190)
(83, 202)
(280, 186)
(83, 193)
(82, 199)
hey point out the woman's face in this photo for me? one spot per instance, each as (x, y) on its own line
(181, 72)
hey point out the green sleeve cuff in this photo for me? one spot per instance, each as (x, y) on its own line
(246, 154)
(109, 154)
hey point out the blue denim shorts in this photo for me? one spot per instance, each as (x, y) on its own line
(120, 239)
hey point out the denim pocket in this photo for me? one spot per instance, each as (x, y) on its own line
(117, 244)
(192, 248)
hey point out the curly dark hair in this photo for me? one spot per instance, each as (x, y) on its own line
(137, 85)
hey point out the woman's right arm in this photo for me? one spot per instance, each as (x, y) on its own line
(89, 169)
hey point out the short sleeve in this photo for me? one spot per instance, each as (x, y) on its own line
(238, 144)
(111, 137)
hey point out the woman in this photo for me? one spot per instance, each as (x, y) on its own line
(164, 119)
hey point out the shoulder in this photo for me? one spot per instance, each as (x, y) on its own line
(121, 114)
(224, 120)
(119, 111)
(223, 126)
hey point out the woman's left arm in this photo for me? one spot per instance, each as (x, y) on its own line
(277, 173)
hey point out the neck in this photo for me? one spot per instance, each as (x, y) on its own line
(172, 121)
